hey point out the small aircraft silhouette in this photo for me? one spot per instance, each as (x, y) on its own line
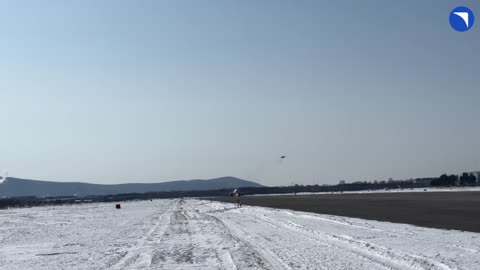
(283, 156)
(237, 194)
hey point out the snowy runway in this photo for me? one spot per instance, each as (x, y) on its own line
(195, 234)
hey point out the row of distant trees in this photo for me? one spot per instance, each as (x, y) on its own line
(465, 179)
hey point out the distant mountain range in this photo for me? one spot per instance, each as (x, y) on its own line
(15, 187)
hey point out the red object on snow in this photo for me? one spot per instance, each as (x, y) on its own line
(118, 206)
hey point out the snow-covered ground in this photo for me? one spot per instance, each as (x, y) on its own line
(196, 234)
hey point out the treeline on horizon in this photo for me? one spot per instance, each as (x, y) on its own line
(465, 179)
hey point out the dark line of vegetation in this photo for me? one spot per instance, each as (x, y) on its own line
(466, 179)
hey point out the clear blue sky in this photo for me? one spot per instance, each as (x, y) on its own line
(150, 91)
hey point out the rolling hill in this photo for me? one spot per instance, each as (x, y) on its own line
(15, 187)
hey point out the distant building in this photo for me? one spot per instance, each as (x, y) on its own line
(423, 181)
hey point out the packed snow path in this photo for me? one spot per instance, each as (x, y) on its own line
(196, 234)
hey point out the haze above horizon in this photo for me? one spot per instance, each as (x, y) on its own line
(149, 91)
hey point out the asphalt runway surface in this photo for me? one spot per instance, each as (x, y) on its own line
(445, 210)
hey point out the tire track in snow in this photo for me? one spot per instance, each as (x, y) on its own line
(278, 255)
(246, 248)
(137, 256)
(175, 247)
(387, 257)
(255, 243)
(196, 240)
